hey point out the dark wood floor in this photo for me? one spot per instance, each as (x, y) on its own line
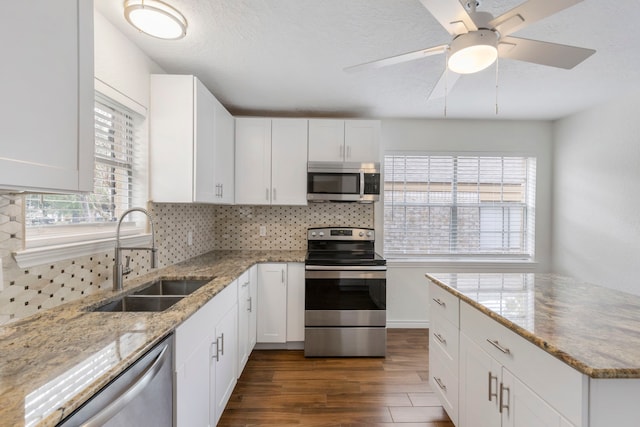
(281, 388)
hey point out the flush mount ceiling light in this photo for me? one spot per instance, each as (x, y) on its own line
(473, 51)
(155, 18)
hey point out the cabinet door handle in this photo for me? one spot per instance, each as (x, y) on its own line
(221, 190)
(440, 383)
(283, 277)
(439, 302)
(274, 194)
(492, 395)
(245, 284)
(440, 338)
(502, 405)
(497, 345)
(341, 151)
(348, 152)
(250, 308)
(266, 194)
(215, 354)
(222, 346)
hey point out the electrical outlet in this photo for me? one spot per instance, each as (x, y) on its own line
(189, 238)
(263, 231)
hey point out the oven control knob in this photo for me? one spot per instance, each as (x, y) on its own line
(369, 234)
(361, 234)
(313, 234)
(321, 233)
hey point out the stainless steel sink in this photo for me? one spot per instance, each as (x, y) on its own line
(173, 287)
(139, 303)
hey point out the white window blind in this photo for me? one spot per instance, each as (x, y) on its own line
(459, 206)
(60, 218)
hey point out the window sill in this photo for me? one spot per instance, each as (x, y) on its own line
(45, 255)
(448, 265)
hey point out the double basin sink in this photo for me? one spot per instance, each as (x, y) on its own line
(155, 296)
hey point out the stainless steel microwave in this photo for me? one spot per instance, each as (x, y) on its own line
(343, 182)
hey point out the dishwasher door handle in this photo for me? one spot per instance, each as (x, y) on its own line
(129, 394)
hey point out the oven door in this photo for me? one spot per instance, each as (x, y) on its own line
(345, 297)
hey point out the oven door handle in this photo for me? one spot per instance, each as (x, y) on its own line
(346, 267)
(345, 274)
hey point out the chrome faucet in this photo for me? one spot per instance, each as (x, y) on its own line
(119, 271)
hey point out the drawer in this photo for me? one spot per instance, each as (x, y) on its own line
(444, 383)
(443, 338)
(557, 383)
(443, 304)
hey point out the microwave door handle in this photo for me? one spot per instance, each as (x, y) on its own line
(361, 185)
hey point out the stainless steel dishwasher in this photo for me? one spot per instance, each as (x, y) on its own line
(141, 396)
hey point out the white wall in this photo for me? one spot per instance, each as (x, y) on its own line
(407, 291)
(596, 215)
(120, 64)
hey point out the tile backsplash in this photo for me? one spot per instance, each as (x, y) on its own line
(182, 231)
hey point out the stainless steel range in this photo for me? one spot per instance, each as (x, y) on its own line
(345, 294)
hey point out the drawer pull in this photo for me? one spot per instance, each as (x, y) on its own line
(502, 400)
(440, 338)
(440, 384)
(497, 345)
(440, 302)
(492, 395)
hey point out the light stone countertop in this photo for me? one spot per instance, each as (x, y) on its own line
(594, 329)
(42, 357)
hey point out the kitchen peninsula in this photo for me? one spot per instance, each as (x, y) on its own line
(537, 346)
(42, 354)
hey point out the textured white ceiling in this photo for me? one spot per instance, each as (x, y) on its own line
(286, 57)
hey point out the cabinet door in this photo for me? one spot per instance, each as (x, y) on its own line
(521, 407)
(253, 307)
(46, 113)
(192, 387)
(203, 143)
(225, 361)
(253, 161)
(362, 138)
(326, 140)
(224, 159)
(289, 162)
(272, 303)
(171, 138)
(479, 386)
(295, 302)
(244, 314)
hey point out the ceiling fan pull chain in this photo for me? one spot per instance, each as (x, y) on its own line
(497, 64)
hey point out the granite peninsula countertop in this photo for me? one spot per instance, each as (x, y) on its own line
(42, 356)
(594, 329)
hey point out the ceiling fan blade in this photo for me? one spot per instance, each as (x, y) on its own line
(444, 85)
(544, 53)
(451, 15)
(528, 13)
(393, 60)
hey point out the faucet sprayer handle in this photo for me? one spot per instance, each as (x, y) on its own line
(154, 258)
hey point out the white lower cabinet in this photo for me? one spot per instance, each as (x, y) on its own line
(247, 320)
(206, 360)
(272, 303)
(280, 303)
(295, 302)
(507, 381)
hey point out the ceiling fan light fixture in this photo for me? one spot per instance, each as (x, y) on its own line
(155, 18)
(472, 52)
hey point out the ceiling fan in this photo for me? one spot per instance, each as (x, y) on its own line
(479, 39)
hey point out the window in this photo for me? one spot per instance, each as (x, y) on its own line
(459, 206)
(62, 218)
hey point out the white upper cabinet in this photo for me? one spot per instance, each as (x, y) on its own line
(271, 161)
(344, 140)
(191, 142)
(46, 112)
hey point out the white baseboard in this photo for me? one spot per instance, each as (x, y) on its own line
(407, 324)
(291, 345)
